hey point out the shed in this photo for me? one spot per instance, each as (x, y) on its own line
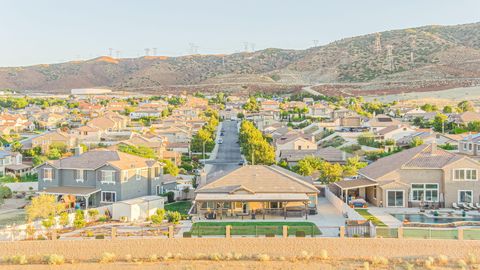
(137, 209)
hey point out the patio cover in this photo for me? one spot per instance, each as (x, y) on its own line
(76, 191)
(258, 197)
(356, 183)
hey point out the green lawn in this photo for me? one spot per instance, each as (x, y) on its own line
(181, 206)
(364, 213)
(254, 228)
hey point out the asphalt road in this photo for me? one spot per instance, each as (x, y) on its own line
(228, 155)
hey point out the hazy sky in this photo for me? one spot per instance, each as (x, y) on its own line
(48, 31)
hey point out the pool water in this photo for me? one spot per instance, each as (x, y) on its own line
(421, 218)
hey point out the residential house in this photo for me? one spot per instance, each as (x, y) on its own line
(464, 118)
(394, 132)
(380, 122)
(420, 176)
(270, 105)
(99, 177)
(58, 137)
(294, 141)
(320, 110)
(11, 162)
(257, 191)
(329, 154)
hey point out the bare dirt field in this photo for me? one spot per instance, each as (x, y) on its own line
(247, 253)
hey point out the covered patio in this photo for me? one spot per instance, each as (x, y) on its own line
(75, 197)
(253, 206)
(356, 192)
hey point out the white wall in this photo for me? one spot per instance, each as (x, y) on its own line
(341, 206)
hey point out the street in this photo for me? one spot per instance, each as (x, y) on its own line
(228, 155)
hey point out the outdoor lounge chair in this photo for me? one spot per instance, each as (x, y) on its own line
(465, 207)
(472, 206)
(455, 206)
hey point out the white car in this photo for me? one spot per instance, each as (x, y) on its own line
(220, 141)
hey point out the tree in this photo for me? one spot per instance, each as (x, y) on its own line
(54, 154)
(158, 217)
(170, 167)
(43, 207)
(439, 122)
(252, 105)
(79, 220)
(465, 106)
(352, 166)
(447, 109)
(16, 146)
(416, 141)
(330, 173)
(174, 217)
(255, 146)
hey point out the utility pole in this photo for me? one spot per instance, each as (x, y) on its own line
(110, 51)
(378, 42)
(315, 43)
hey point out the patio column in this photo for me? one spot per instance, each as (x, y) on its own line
(346, 196)
(284, 210)
(264, 210)
(306, 210)
(86, 201)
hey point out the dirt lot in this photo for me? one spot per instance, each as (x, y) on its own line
(244, 253)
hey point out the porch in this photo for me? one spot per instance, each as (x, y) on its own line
(75, 197)
(254, 206)
(356, 192)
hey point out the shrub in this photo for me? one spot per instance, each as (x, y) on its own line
(174, 217)
(79, 221)
(263, 257)
(170, 196)
(442, 259)
(93, 213)
(187, 235)
(100, 236)
(54, 259)
(269, 235)
(17, 259)
(107, 257)
(64, 219)
(103, 219)
(153, 258)
(88, 233)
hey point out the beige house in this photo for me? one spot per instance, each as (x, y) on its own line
(295, 141)
(424, 175)
(256, 191)
(55, 137)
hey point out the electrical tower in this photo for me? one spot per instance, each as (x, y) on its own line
(252, 47)
(315, 43)
(245, 46)
(193, 48)
(110, 52)
(117, 53)
(389, 64)
(154, 51)
(413, 46)
(378, 42)
(147, 51)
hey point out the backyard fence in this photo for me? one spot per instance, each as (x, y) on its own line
(260, 230)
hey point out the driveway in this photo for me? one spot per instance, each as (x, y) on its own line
(228, 155)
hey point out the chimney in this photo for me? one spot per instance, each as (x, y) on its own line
(203, 178)
(434, 147)
(78, 150)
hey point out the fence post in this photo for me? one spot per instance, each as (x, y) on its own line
(460, 233)
(342, 232)
(400, 232)
(285, 231)
(170, 231)
(114, 233)
(227, 231)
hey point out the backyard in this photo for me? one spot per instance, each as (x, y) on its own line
(181, 206)
(364, 213)
(254, 228)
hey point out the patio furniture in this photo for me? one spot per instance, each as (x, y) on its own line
(464, 206)
(472, 206)
(455, 206)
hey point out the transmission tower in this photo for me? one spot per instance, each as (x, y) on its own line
(117, 53)
(154, 51)
(389, 65)
(378, 42)
(413, 46)
(315, 43)
(110, 52)
(252, 47)
(193, 48)
(147, 51)
(245, 46)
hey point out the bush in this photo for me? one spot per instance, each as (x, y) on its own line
(100, 236)
(93, 213)
(5, 192)
(187, 235)
(17, 259)
(88, 233)
(270, 235)
(107, 257)
(103, 218)
(54, 259)
(170, 196)
(79, 221)
(299, 234)
(64, 219)
(158, 217)
(174, 217)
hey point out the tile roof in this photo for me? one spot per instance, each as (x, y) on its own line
(424, 156)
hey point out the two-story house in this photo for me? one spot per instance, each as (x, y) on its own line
(99, 177)
(423, 175)
(12, 162)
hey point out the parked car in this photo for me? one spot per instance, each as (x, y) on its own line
(220, 141)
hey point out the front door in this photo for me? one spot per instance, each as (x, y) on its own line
(395, 198)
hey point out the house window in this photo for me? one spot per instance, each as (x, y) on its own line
(425, 192)
(109, 196)
(108, 177)
(465, 196)
(470, 146)
(465, 174)
(138, 174)
(159, 190)
(464, 146)
(79, 175)
(47, 174)
(208, 205)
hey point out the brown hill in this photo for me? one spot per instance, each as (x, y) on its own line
(424, 54)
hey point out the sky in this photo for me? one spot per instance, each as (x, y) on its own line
(51, 31)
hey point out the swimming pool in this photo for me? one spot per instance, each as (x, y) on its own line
(421, 218)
